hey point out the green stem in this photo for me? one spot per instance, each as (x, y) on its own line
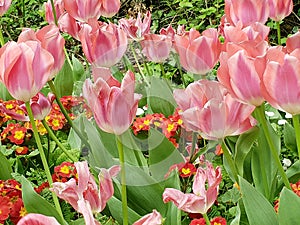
(163, 73)
(43, 157)
(278, 32)
(64, 111)
(194, 142)
(54, 138)
(180, 69)
(297, 132)
(138, 64)
(206, 219)
(54, 12)
(263, 121)
(231, 164)
(24, 12)
(123, 180)
(2, 42)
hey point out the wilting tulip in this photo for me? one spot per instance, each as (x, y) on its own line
(241, 75)
(279, 9)
(51, 40)
(25, 68)
(114, 108)
(4, 5)
(109, 7)
(209, 109)
(136, 28)
(281, 83)
(153, 218)
(84, 195)
(198, 53)
(37, 219)
(246, 11)
(83, 11)
(205, 191)
(59, 10)
(104, 45)
(156, 47)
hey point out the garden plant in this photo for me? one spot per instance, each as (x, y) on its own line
(150, 112)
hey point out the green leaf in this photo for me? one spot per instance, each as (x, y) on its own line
(259, 210)
(64, 81)
(34, 203)
(160, 97)
(78, 70)
(293, 172)
(289, 137)
(289, 205)
(6, 170)
(4, 94)
(186, 4)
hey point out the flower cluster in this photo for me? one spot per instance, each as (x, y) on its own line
(11, 203)
(214, 221)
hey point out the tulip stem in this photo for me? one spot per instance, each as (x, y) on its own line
(43, 157)
(227, 154)
(138, 64)
(278, 32)
(163, 73)
(54, 12)
(194, 142)
(206, 218)
(54, 138)
(297, 132)
(123, 180)
(24, 13)
(63, 110)
(263, 121)
(1, 37)
(180, 69)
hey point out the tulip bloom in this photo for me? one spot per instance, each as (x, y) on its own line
(59, 10)
(114, 108)
(205, 191)
(83, 11)
(37, 219)
(198, 53)
(281, 83)
(242, 74)
(279, 9)
(209, 109)
(156, 47)
(25, 68)
(69, 25)
(84, 196)
(4, 5)
(109, 7)
(103, 45)
(136, 28)
(153, 218)
(293, 42)
(246, 11)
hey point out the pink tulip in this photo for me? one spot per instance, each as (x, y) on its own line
(59, 10)
(109, 8)
(198, 53)
(153, 218)
(69, 25)
(279, 9)
(84, 196)
(37, 219)
(83, 11)
(114, 108)
(106, 75)
(209, 109)
(136, 28)
(205, 191)
(4, 5)
(293, 42)
(246, 11)
(156, 47)
(241, 75)
(104, 45)
(281, 83)
(25, 68)
(51, 40)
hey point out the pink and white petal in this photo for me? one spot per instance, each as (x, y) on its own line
(37, 219)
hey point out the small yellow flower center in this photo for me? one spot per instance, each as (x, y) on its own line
(170, 127)
(22, 212)
(19, 135)
(180, 121)
(147, 122)
(55, 123)
(186, 170)
(9, 106)
(65, 170)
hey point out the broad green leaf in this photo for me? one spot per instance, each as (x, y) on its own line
(289, 205)
(34, 203)
(6, 170)
(160, 97)
(78, 70)
(259, 210)
(64, 81)
(293, 173)
(243, 147)
(289, 137)
(78, 222)
(4, 94)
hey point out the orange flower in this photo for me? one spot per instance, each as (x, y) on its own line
(21, 150)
